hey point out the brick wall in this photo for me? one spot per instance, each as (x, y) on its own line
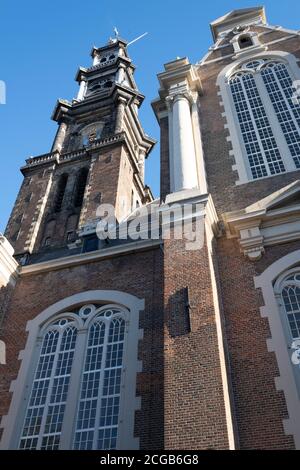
(260, 408)
(194, 401)
(138, 274)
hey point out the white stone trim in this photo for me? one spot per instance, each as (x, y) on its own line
(38, 217)
(241, 159)
(12, 422)
(278, 344)
(263, 224)
(227, 56)
(244, 52)
(228, 403)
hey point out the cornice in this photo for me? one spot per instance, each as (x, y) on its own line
(59, 158)
(92, 257)
(263, 227)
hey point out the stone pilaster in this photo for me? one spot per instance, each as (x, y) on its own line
(60, 137)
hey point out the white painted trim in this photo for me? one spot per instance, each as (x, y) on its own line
(12, 422)
(218, 59)
(278, 344)
(232, 437)
(199, 148)
(8, 265)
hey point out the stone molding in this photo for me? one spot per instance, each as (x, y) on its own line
(270, 221)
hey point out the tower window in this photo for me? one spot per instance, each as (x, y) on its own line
(47, 241)
(80, 187)
(62, 184)
(245, 41)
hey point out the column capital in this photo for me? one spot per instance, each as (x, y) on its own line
(181, 91)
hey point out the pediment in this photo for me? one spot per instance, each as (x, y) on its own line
(272, 220)
(236, 18)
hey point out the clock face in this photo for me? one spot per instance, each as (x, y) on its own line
(91, 133)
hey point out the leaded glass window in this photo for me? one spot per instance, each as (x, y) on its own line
(291, 301)
(96, 413)
(262, 93)
(46, 407)
(280, 88)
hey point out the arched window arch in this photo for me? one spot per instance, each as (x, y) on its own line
(80, 185)
(61, 189)
(47, 403)
(96, 415)
(77, 383)
(263, 118)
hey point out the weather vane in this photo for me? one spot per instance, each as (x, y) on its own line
(116, 33)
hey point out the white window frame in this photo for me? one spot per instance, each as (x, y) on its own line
(21, 388)
(241, 164)
(270, 282)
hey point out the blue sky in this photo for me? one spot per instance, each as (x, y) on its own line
(43, 44)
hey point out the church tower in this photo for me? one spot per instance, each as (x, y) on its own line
(98, 156)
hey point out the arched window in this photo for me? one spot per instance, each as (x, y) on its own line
(269, 121)
(82, 351)
(280, 89)
(76, 387)
(80, 187)
(245, 41)
(261, 148)
(61, 189)
(47, 403)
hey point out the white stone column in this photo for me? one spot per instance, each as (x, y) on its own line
(60, 137)
(120, 115)
(81, 91)
(183, 158)
(141, 164)
(120, 74)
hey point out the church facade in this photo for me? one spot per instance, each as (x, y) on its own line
(154, 342)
